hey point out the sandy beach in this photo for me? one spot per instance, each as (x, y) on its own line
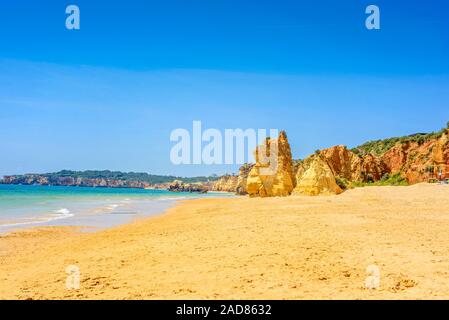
(240, 248)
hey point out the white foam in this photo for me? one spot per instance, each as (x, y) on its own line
(171, 198)
(62, 213)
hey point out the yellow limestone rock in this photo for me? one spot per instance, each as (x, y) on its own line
(226, 183)
(243, 178)
(266, 179)
(318, 179)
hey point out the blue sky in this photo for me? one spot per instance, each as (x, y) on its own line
(107, 96)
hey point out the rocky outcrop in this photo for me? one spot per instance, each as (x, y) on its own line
(419, 162)
(179, 186)
(243, 178)
(226, 183)
(343, 162)
(372, 169)
(411, 159)
(318, 179)
(346, 164)
(301, 167)
(272, 175)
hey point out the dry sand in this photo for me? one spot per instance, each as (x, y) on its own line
(240, 248)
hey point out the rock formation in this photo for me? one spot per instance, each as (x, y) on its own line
(35, 179)
(419, 162)
(179, 186)
(301, 167)
(415, 158)
(226, 183)
(272, 175)
(243, 178)
(440, 156)
(343, 162)
(318, 179)
(346, 164)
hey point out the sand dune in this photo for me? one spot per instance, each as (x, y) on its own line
(241, 248)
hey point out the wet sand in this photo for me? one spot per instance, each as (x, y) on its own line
(241, 248)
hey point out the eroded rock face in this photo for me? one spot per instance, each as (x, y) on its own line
(243, 178)
(343, 162)
(419, 162)
(180, 186)
(318, 179)
(263, 182)
(301, 168)
(372, 168)
(346, 164)
(440, 156)
(414, 160)
(227, 183)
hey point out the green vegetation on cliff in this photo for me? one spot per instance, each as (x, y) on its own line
(387, 180)
(379, 147)
(122, 176)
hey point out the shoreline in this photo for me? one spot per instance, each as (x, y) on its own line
(60, 206)
(246, 248)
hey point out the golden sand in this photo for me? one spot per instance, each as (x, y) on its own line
(241, 248)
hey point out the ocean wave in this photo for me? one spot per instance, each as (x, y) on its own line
(63, 211)
(59, 214)
(170, 198)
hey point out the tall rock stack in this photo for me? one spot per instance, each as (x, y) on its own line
(264, 182)
(243, 178)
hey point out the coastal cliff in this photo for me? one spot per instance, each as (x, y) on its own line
(180, 186)
(104, 179)
(226, 183)
(395, 161)
(32, 179)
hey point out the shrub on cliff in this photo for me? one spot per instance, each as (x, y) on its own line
(387, 180)
(379, 147)
(343, 183)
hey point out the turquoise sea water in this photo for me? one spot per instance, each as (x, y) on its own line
(28, 206)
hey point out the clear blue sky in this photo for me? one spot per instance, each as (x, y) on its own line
(108, 96)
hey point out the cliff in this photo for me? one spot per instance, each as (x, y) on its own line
(106, 178)
(180, 186)
(227, 183)
(394, 161)
(32, 179)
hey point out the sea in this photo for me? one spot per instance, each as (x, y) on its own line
(24, 206)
